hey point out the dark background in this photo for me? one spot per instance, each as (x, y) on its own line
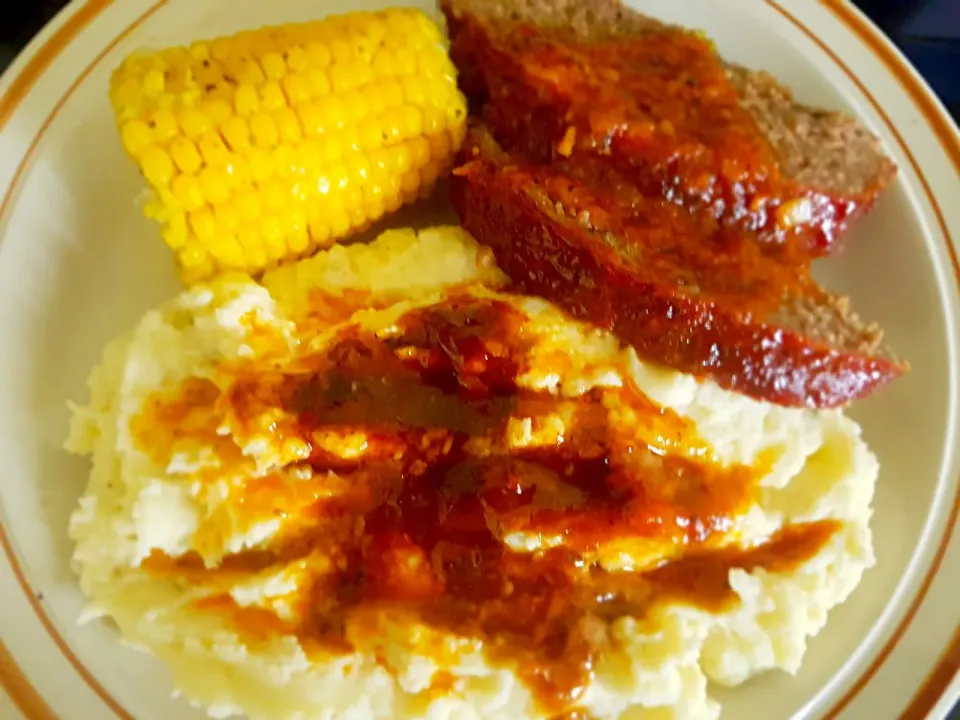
(928, 31)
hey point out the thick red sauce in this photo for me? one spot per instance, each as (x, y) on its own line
(661, 109)
(416, 524)
(665, 246)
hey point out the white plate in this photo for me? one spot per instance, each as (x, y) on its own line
(78, 264)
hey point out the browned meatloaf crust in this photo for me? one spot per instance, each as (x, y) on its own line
(829, 157)
(712, 307)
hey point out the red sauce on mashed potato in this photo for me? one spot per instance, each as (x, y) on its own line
(414, 525)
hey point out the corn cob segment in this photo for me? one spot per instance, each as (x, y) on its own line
(266, 145)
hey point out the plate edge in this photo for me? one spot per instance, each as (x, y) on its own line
(65, 27)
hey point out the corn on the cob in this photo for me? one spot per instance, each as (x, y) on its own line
(268, 144)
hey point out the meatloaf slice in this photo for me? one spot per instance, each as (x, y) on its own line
(556, 77)
(715, 306)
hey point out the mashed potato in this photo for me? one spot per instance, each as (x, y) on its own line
(170, 483)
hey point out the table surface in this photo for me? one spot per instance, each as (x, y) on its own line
(928, 31)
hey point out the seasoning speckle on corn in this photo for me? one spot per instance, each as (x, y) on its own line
(266, 145)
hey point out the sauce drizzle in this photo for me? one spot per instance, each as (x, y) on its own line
(434, 515)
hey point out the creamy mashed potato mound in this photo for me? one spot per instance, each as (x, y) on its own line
(198, 474)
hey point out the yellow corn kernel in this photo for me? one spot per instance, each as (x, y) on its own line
(186, 189)
(415, 90)
(203, 225)
(359, 220)
(359, 167)
(164, 124)
(369, 102)
(410, 121)
(157, 166)
(339, 223)
(318, 80)
(200, 50)
(185, 155)
(355, 106)
(265, 145)
(371, 136)
(318, 54)
(318, 231)
(389, 185)
(168, 103)
(221, 49)
(332, 147)
(252, 245)
(337, 175)
(273, 238)
(125, 95)
(394, 202)
(285, 162)
(247, 71)
(374, 208)
(217, 110)
(383, 63)
(153, 83)
(434, 120)
(214, 185)
(193, 122)
(295, 220)
(375, 30)
(247, 205)
(334, 113)
(175, 232)
(192, 256)
(297, 88)
(236, 134)
(227, 251)
(261, 165)
(238, 173)
(299, 240)
(340, 51)
(428, 176)
(405, 60)
(392, 93)
(226, 218)
(264, 129)
(309, 154)
(273, 66)
(410, 182)
(350, 75)
(439, 147)
(195, 263)
(397, 159)
(350, 139)
(246, 100)
(351, 197)
(456, 128)
(297, 59)
(427, 65)
(213, 149)
(190, 98)
(311, 119)
(154, 210)
(419, 151)
(272, 97)
(274, 196)
(136, 136)
(288, 126)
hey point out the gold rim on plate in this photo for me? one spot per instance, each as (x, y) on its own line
(32, 704)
